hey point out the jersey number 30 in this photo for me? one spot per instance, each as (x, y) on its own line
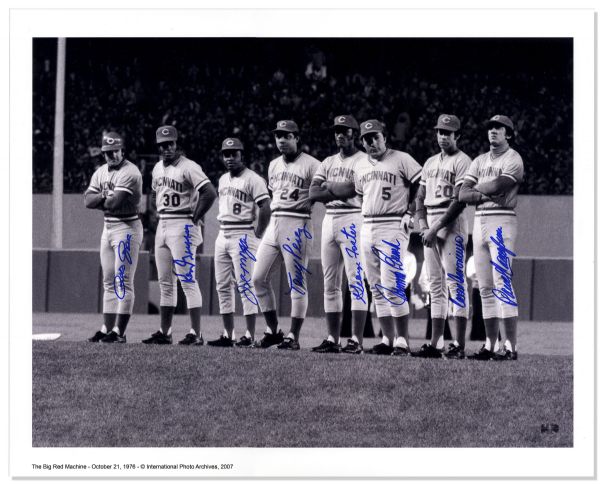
(172, 200)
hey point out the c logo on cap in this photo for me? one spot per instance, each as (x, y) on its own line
(446, 119)
(341, 119)
(282, 124)
(109, 141)
(229, 142)
(369, 125)
(165, 131)
(496, 118)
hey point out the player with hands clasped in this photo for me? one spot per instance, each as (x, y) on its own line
(388, 186)
(241, 193)
(116, 189)
(492, 183)
(333, 185)
(289, 235)
(183, 195)
(443, 225)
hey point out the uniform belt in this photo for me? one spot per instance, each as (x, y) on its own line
(388, 217)
(174, 215)
(488, 211)
(121, 218)
(445, 204)
(280, 212)
(341, 210)
(237, 225)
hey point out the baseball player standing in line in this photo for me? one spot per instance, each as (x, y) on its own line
(388, 186)
(333, 185)
(492, 183)
(289, 235)
(116, 189)
(444, 229)
(241, 191)
(183, 195)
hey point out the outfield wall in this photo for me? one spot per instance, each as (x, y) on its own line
(71, 281)
(545, 225)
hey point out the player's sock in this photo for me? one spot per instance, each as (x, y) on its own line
(334, 325)
(228, 324)
(296, 326)
(109, 322)
(103, 329)
(291, 335)
(385, 340)
(359, 320)
(331, 339)
(510, 328)
(250, 325)
(461, 330)
(122, 322)
(400, 342)
(166, 319)
(195, 319)
(271, 321)
(491, 332)
(401, 327)
(387, 328)
(192, 331)
(437, 332)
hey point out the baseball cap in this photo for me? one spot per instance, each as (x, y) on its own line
(449, 122)
(232, 144)
(286, 125)
(112, 141)
(166, 133)
(503, 120)
(371, 126)
(346, 120)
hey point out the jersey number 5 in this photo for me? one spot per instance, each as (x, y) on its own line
(172, 200)
(386, 193)
(293, 196)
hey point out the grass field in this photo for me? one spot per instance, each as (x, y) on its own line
(213, 397)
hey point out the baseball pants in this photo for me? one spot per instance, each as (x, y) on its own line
(119, 250)
(235, 255)
(340, 250)
(493, 287)
(384, 246)
(445, 264)
(175, 252)
(290, 238)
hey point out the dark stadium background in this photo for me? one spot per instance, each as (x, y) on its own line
(211, 88)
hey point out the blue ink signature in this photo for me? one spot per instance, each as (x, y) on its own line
(245, 288)
(394, 261)
(358, 289)
(506, 294)
(459, 277)
(124, 256)
(297, 281)
(188, 259)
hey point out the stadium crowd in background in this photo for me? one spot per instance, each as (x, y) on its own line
(212, 101)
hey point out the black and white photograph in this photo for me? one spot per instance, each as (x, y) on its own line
(302, 243)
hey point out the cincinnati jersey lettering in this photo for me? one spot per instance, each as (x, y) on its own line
(239, 195)
(126, 178)
(289, 182)
(337, 169)
(441, 174)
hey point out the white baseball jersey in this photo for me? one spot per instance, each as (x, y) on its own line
(441, 174)
(176, 186)
(290, 182)
(485, 168)
(126, 178)
(337, 169)
(238, 196)
(385, 184)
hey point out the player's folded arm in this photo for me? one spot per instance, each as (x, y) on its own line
(342, 190)
(468, 193)
(117, 198)
(93, 199)
(318, 193)
(497, 186)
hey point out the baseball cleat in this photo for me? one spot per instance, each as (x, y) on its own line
(381, 349)
(270, 340)
(245, 342)
(223, 342)
(428, 351)
(158, 338)
(192, 340)
(327, 347)
(482, 354)
(353, 348)
(113, 337)
(401, 351)
(97, 337)
(455, 352)
(506, 355)
(288, 344)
